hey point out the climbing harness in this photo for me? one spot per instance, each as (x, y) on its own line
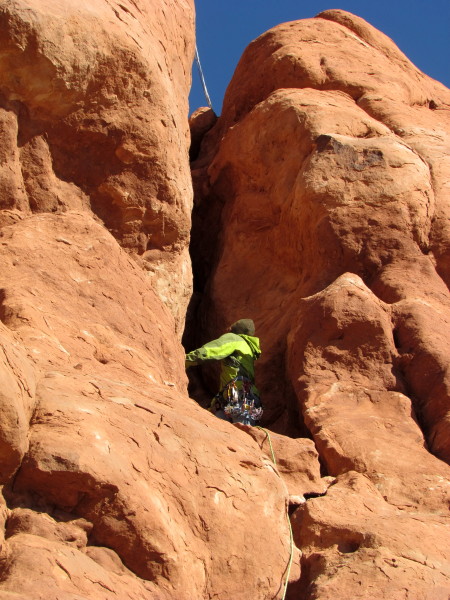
(202, 78)
(239, 404)
(291, 535)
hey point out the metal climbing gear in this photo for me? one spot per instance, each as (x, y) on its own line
(240, 403)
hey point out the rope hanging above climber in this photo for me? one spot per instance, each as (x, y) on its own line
(202, 78)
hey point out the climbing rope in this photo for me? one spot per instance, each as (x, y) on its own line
(291, 539)
(200, 70)
(274, 460)
(291, 535)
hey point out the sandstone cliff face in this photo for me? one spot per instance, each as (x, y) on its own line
(93, 104)
(329, 172)
(328, 192)
(114, 483)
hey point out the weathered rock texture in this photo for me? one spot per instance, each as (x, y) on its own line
(325, 177)
(115, 484)
(125, 487)
(328, 175)
(93, 98)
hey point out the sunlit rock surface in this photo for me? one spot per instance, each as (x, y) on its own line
(323, 192)
(116, 483)
(320, 212)
(93, 102)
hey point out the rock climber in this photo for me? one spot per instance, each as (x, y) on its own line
(238, 400)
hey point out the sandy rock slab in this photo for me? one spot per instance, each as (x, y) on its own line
(74, 298)
(38, 568)
(123, 481)
(296, 460)
(48, 556)
(159, 483)
(17, 402)
(356, 545)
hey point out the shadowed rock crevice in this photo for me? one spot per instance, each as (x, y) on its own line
(3, 309)
(301, 589)
(401, 371)
(424, 367)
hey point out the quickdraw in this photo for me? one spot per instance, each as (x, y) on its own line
(240, 402)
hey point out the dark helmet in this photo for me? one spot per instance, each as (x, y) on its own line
(245, 326)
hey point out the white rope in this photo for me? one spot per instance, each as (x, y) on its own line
(197, 58)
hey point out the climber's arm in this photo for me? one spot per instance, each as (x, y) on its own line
(214, 350)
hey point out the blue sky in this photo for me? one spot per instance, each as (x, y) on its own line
(420, 28)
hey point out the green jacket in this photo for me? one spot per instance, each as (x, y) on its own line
(237, 353)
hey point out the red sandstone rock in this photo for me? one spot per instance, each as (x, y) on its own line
(115, 444)
(352, 403)
(55, 570)
(423, 333)
(357, 545)
(296, 462)
(17, 399)
(116, 483)
(330, 179)
(93, 115)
